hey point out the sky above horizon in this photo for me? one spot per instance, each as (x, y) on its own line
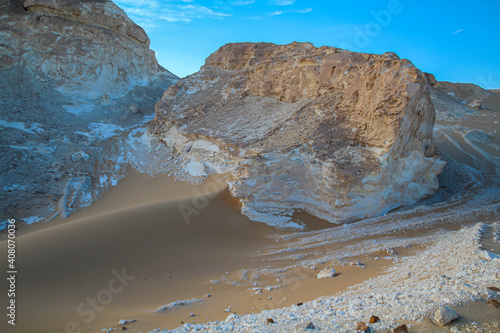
(457, 41)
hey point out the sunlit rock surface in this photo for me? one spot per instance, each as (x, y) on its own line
(338, 134)
(78, 82)
(91, 48)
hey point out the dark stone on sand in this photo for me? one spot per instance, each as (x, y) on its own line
(361, 326)
(494, 302)
(401, 329)
(374, 319)
(311, 326)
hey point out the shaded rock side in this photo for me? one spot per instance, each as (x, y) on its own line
(91, 47)
(338, 134)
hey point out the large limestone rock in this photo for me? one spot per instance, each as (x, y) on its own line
(78, 83)
(338, 134)
(91, 47)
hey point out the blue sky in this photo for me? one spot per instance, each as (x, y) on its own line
(458, 41)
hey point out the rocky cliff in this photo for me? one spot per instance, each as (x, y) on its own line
(338, 134)
(90, 47)
(78, 82)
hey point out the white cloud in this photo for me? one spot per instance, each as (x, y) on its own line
(201, 11)
(282, 2)
(241, 2)
(456, 32)
(302, 11)
(147, 12)
(281, 12)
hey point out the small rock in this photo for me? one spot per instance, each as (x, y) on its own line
(310, 326)
(361, 326)
(488, 256)
(207, 295)
(374, 319)
(270, 321)
(444, 315)
(495, 289)
(192, 314)
(401, 329)
(124, 328)
(126, 321)
(300, 304)
(357, 263)
(133, 109)
(327, 272)
(493, 302)
(475, 104)
(455, 329)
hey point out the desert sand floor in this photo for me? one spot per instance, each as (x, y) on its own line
(139, 231)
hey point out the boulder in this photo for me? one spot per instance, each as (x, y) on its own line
(69, 73)
(444, 315)
(338, 134)
(90, 47)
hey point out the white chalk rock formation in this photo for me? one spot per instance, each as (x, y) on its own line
(338, 134)
(325, 273)
(78, 82)
(91, 47)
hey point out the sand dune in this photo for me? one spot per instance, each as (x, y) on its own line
(59, 267)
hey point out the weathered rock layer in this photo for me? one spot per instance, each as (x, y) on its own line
(78, 82)
(338, 134)
(91, 47)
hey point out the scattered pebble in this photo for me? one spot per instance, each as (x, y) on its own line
(361, 326)
(493, 302)
(401, 329)
(374, 319)
(444, 315)
(300, 304)
(327, 272)
(310, 326)
(192, 314)
(270, 321)
(126, 321)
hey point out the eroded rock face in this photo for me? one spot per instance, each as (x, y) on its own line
(91, 47)
(338, 134)
(78, 83)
